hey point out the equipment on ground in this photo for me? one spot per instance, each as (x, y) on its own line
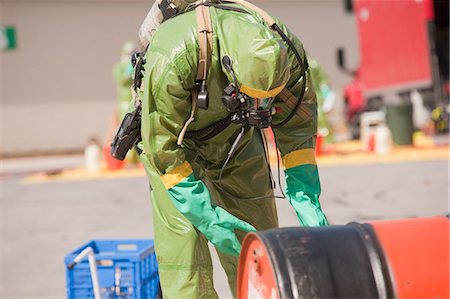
(121, 269)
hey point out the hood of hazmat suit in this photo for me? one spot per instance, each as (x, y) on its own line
(259, 58)
(195, 199)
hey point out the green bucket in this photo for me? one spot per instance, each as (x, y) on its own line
(399, 119)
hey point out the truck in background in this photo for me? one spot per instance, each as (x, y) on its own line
(403, 48)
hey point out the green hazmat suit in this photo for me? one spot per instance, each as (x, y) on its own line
(191, 206)
(123, 75)
(323, 93)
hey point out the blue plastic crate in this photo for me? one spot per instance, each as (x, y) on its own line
(126, 269)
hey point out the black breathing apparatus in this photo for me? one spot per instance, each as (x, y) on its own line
(243, 109)
(252, 111)
(246, 111)
(255, 113)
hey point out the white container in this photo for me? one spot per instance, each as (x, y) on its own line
(383, 140)
(92, 158)
(369, 123)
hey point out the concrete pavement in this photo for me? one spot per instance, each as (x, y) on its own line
(45, 216)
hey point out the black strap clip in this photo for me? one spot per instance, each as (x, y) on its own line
(168, 9)
(202, 97)
(138, 62)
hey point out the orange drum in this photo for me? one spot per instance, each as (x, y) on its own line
(385, 259)
(418, 255)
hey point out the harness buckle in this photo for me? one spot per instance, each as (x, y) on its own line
(202, 96)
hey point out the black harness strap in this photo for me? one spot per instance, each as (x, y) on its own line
(225, 7)
(218, 5)
(209, 131)
(304, 67)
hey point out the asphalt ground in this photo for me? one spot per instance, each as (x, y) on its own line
(50, 206)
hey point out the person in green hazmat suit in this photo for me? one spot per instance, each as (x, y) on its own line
(218, 188)
(123, 75)
(325, 98)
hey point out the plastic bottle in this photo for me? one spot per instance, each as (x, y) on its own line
(383, 139)
(92, 156)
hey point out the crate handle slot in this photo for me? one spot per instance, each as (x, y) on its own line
(127, 247)
(105, 263)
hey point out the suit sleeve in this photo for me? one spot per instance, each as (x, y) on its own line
(296, 143)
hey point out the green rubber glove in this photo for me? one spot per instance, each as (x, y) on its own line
(303, 190)
(192, 199)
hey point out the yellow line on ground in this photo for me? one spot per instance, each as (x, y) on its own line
(348, 153)
(353, 153)
(80, 174)
(397, 156)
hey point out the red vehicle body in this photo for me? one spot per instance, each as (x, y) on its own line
(400, 50)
